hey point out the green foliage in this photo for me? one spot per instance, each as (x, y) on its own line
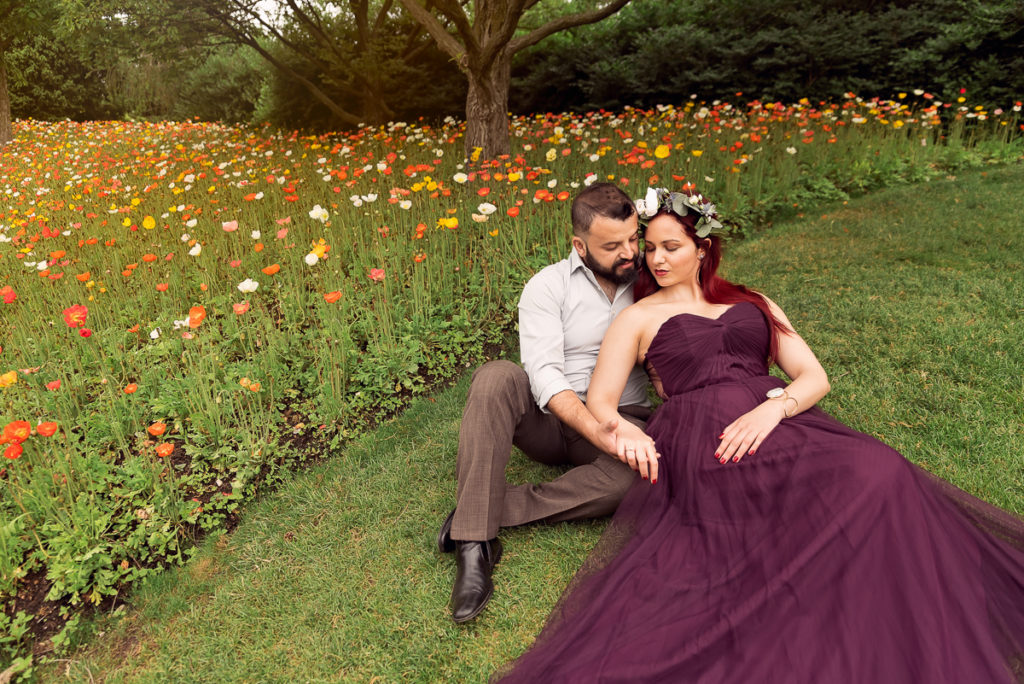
(225, 86)
(650, 53)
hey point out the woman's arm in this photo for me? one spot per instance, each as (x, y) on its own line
(615, 361)
(809, 384)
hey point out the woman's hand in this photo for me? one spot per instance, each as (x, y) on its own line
(744, 435)
(635, 449)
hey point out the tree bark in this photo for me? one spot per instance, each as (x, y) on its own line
(487, 119)
(6, 133)
(483, 50)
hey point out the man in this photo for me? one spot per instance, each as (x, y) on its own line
(564, 312)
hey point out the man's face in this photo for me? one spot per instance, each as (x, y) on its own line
(610, 249)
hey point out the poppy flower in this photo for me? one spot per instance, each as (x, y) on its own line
(156, 429)
(85, 332)
(17, 431)
(8, 294)
(377, 275)
(161, 287)
(513, 211)
(229, 226)
(13, 451)
(149, 258)
(83, 277)
(8, 378)
(75, 315)
(240, 308)
(131, 388)
(55, 385)
(196, 315)
(331, 297)
(272, 269)
(164, 450)
(46, 429)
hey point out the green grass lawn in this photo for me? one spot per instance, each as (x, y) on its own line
(913, 299)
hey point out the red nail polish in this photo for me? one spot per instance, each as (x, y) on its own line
(735, 458)
(654, 481)
(721, 435)
(644, 476)
(718, 455)
(750, 452)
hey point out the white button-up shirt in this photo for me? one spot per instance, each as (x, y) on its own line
(563, 316)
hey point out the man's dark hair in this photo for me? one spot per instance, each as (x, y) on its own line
(600, 199)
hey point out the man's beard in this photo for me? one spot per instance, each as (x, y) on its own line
(612, 274)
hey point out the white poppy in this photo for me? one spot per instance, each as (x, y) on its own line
(318, 213)
(196, 249)
(248, 285)
(311, 259)
(486, 208)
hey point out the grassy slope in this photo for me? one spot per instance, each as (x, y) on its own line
(913, 299)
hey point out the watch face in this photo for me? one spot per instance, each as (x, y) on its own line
(775, 392)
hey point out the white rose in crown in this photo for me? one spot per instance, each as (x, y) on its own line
(648, 206)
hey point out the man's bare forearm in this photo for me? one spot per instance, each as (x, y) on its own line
(567, 407)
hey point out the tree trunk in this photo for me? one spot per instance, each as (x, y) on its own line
(6, 134)
(487, 120)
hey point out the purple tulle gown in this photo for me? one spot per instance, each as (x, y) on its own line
(824, 557)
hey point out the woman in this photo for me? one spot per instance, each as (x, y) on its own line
(771, 543)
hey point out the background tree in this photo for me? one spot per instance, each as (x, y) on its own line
(482, 43)
(16, 19)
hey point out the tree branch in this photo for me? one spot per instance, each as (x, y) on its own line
(440, 34)
(562, 23)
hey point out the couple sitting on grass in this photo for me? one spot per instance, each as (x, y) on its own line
(755, 538)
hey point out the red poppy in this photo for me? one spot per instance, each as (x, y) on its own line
(161, 287)
(240, 308)
(55, 385)
(13, 451)
(46, 429)
(75, 315)
(17, 431)
(85, 332)
(131, 388)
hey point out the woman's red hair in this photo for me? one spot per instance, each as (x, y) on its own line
(716, 290)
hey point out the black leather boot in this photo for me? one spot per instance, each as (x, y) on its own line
(474, 562)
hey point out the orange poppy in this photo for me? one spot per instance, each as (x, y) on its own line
(164, 450)
(131, 388)
(161, 287)
(84, 276)
(240, 308)
(271, 269)
(156, 429)
(196, 315)
(332, 297)
(149, 258)
(13, 451)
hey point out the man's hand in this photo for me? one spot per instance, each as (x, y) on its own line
(605, 438)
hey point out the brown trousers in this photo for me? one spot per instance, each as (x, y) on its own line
(500, 411)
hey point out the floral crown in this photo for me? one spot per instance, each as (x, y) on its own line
(680, 204)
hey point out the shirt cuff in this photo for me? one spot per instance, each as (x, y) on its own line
(548, 385)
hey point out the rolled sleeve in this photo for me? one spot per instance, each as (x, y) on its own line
(541, 336)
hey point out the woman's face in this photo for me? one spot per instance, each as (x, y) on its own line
(671, 255)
